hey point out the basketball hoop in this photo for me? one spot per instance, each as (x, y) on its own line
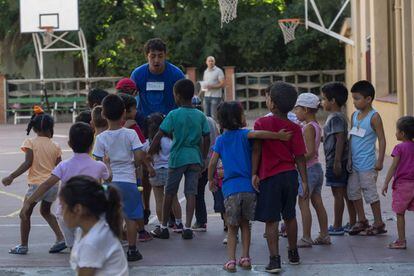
(288, 27)
(47, 34)
(228, 9)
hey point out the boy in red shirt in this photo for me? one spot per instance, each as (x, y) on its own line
(279, 160)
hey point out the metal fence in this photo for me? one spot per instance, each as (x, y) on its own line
(250, 87)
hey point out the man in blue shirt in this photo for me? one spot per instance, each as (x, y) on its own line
(155, 81)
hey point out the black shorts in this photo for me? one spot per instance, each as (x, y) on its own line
(277, 196)
(219, 201)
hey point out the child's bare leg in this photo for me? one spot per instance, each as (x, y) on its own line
(189, 210)
(231, 241)
(317, 203)
(25, 226)
(351, 210)
(292, 232)
(159, 198)
(131, 226)
(166, 208)
(176, 208)
(306, 217)
(51, 219)
(401, 227)
(245, 236)
(140, 224)
(359, 208)
(338, 193)
(376, 211)
(272, 237)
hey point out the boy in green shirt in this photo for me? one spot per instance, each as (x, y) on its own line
(189, 129)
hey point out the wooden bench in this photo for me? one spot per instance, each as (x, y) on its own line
(22, 107)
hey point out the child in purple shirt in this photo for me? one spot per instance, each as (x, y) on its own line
(403, 173)
(80, 140)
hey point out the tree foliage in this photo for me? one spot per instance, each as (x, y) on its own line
(116, 31)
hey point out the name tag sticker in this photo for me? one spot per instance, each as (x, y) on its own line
(155, 86)
(360, 132)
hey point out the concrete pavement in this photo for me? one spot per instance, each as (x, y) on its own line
(205, 254)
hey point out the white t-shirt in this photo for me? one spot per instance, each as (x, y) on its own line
(119, 145)
(211, 77)
(161, 158)
(99, 249)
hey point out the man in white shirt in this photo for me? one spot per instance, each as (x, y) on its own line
(213, 83)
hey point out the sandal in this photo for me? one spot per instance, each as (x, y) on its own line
(374, 230)
(322, 240)
(304, 243)
(245, 263)
(397, 244)
(358, 227)
(230, 266)
(19, 250)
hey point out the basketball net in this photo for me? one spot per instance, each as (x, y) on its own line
(47, 35)
(288, 27)
(228, 9)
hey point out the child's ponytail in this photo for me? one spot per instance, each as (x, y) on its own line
(40, 121)
(113, 210)
(97, 199)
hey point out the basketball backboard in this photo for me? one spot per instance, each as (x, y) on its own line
(35, 15)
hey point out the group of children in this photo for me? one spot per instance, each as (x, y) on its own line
(254, 174)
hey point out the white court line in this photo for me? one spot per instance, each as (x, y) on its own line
(18, 152)
(154, 218)
(12, 195)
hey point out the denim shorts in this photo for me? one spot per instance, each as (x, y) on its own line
(315, 180)
(160, 178)
(131, 199)
(49, 196)
(191, 173)
(336, 181)
(277, 196)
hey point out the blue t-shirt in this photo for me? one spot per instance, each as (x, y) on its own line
(156, 91)
(235, 151)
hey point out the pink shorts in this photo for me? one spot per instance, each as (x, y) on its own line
(403, 197)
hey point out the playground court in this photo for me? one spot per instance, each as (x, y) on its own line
(205, 254)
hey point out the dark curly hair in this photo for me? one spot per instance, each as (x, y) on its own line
(406, 125)
(41, 123)
(336, 90)
(283, 95)
(230, 115)
(155, 44)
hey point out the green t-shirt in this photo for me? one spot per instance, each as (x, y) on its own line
(187, 126)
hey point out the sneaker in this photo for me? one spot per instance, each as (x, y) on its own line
(187, 234)
(147, 214)
(178, 228)
(274, 265)
(19, 250)
(160, 233)
(398, 244)
(336, 231)
(144, 236)
(347, 227)
(199, 227)
(57, 247)
(133, 255)
(293, 255)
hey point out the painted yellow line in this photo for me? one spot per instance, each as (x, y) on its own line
(12, 195)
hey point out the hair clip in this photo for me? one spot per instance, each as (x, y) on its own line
(38, 110)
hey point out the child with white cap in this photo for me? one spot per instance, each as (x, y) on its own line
(306, 107)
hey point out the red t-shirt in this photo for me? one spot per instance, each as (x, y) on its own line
(279, 156)
(138, 131)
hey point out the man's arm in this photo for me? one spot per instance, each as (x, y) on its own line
(377, 125)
